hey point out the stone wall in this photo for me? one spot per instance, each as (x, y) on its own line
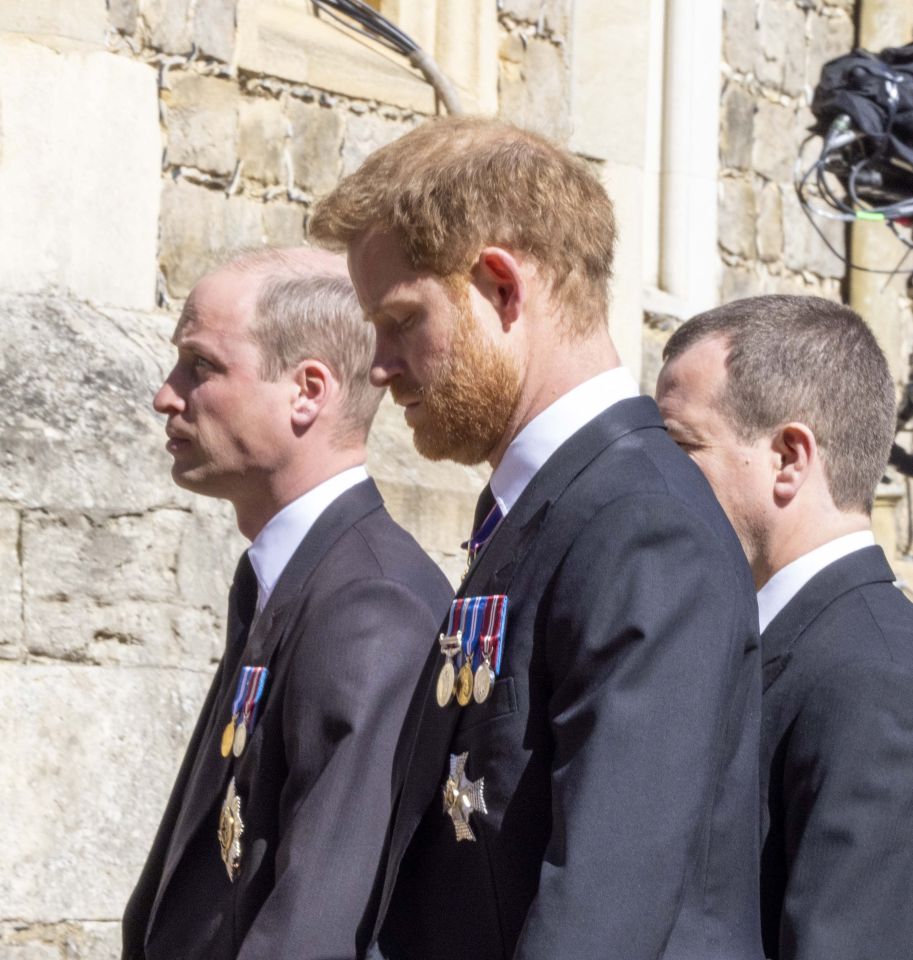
(139, 141)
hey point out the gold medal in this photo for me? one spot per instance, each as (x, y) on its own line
(464, 683)
(446, 678)
(482, 683)
(231, 826)
(228, 736)
(240, 739)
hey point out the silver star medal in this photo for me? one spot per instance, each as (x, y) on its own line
(463, 797)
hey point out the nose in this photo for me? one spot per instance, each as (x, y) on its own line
(386, 365)
(167, 400)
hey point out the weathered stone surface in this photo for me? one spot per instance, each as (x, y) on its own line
(10, 583)
(739, 36)
(770, 223)
(199, 228)
(98, 781)
(316, 146)
(739, 282)
(284, 224)
(68, 940)
(33, 948)
(202, 122)
(738, 216)
(829, 37)
(214, 28)
(553, 15)
(123, 14)
(780, 60)
(736, 127)
(83, 20)
(544, 107)
(169, 24)
(803, 247)
(366, 133)
(774, 149)
(77, 430)
(262, 142)
(78, 184)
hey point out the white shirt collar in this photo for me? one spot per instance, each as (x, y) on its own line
(786, 583)
(279, 539)
(542, 436)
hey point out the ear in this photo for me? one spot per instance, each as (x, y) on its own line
(498, 276)
(798, 452)
(315, 384)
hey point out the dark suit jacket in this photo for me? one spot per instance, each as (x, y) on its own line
(618, 749)
(837, 768)
(344, 635)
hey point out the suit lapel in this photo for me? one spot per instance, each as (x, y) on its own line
(210, 772)
(868, 565)
(492, 572)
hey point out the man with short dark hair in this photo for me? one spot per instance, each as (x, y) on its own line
(577, 772)
(787, 405)
(273, 833)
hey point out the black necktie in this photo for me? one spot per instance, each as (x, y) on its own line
(483, 507)
(242, 606)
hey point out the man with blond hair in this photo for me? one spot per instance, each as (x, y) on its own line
(787, 405)
(274, 829)
(577, 772)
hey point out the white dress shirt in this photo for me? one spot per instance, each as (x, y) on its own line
(542, 436)
(786, 583)
(279, 539)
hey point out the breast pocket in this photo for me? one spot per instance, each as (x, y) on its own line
(501, 702)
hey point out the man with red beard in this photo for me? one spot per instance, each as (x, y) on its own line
(577, 774)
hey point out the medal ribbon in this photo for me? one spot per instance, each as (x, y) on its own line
(481, 620)
(484, 533)
(251, 684)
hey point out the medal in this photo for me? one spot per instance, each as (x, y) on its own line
(464, 677)
(463, 797)
(228, 735)
(446, 678)
(231, 826)
(240, 739)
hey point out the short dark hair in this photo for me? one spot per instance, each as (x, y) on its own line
(810, 360)
(454, 185)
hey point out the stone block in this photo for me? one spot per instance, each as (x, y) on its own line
(262, 141)
(201, 116)
(170, 24)
(80, 434)
(93, 941)
(214, 28)
(739, 282)
(123, 14)
(528, 100)
(736, 127)
(770, 223)
(366, 133)
(10, 583)
(316, 146)
(803, 246)
(738, 216)
(284, 224)
(20, 946)
(80, 131)
(774, 149)
(98, 749)
(82, 20)
(285, 39)
(829, 37)
(551, 15)
(199, 228)
(739, 34)
(781, 48)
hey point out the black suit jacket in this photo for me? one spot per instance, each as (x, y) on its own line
(618, 749)
(837, 768)
(344, 635)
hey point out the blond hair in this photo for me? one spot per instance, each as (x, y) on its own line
(455, 185)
